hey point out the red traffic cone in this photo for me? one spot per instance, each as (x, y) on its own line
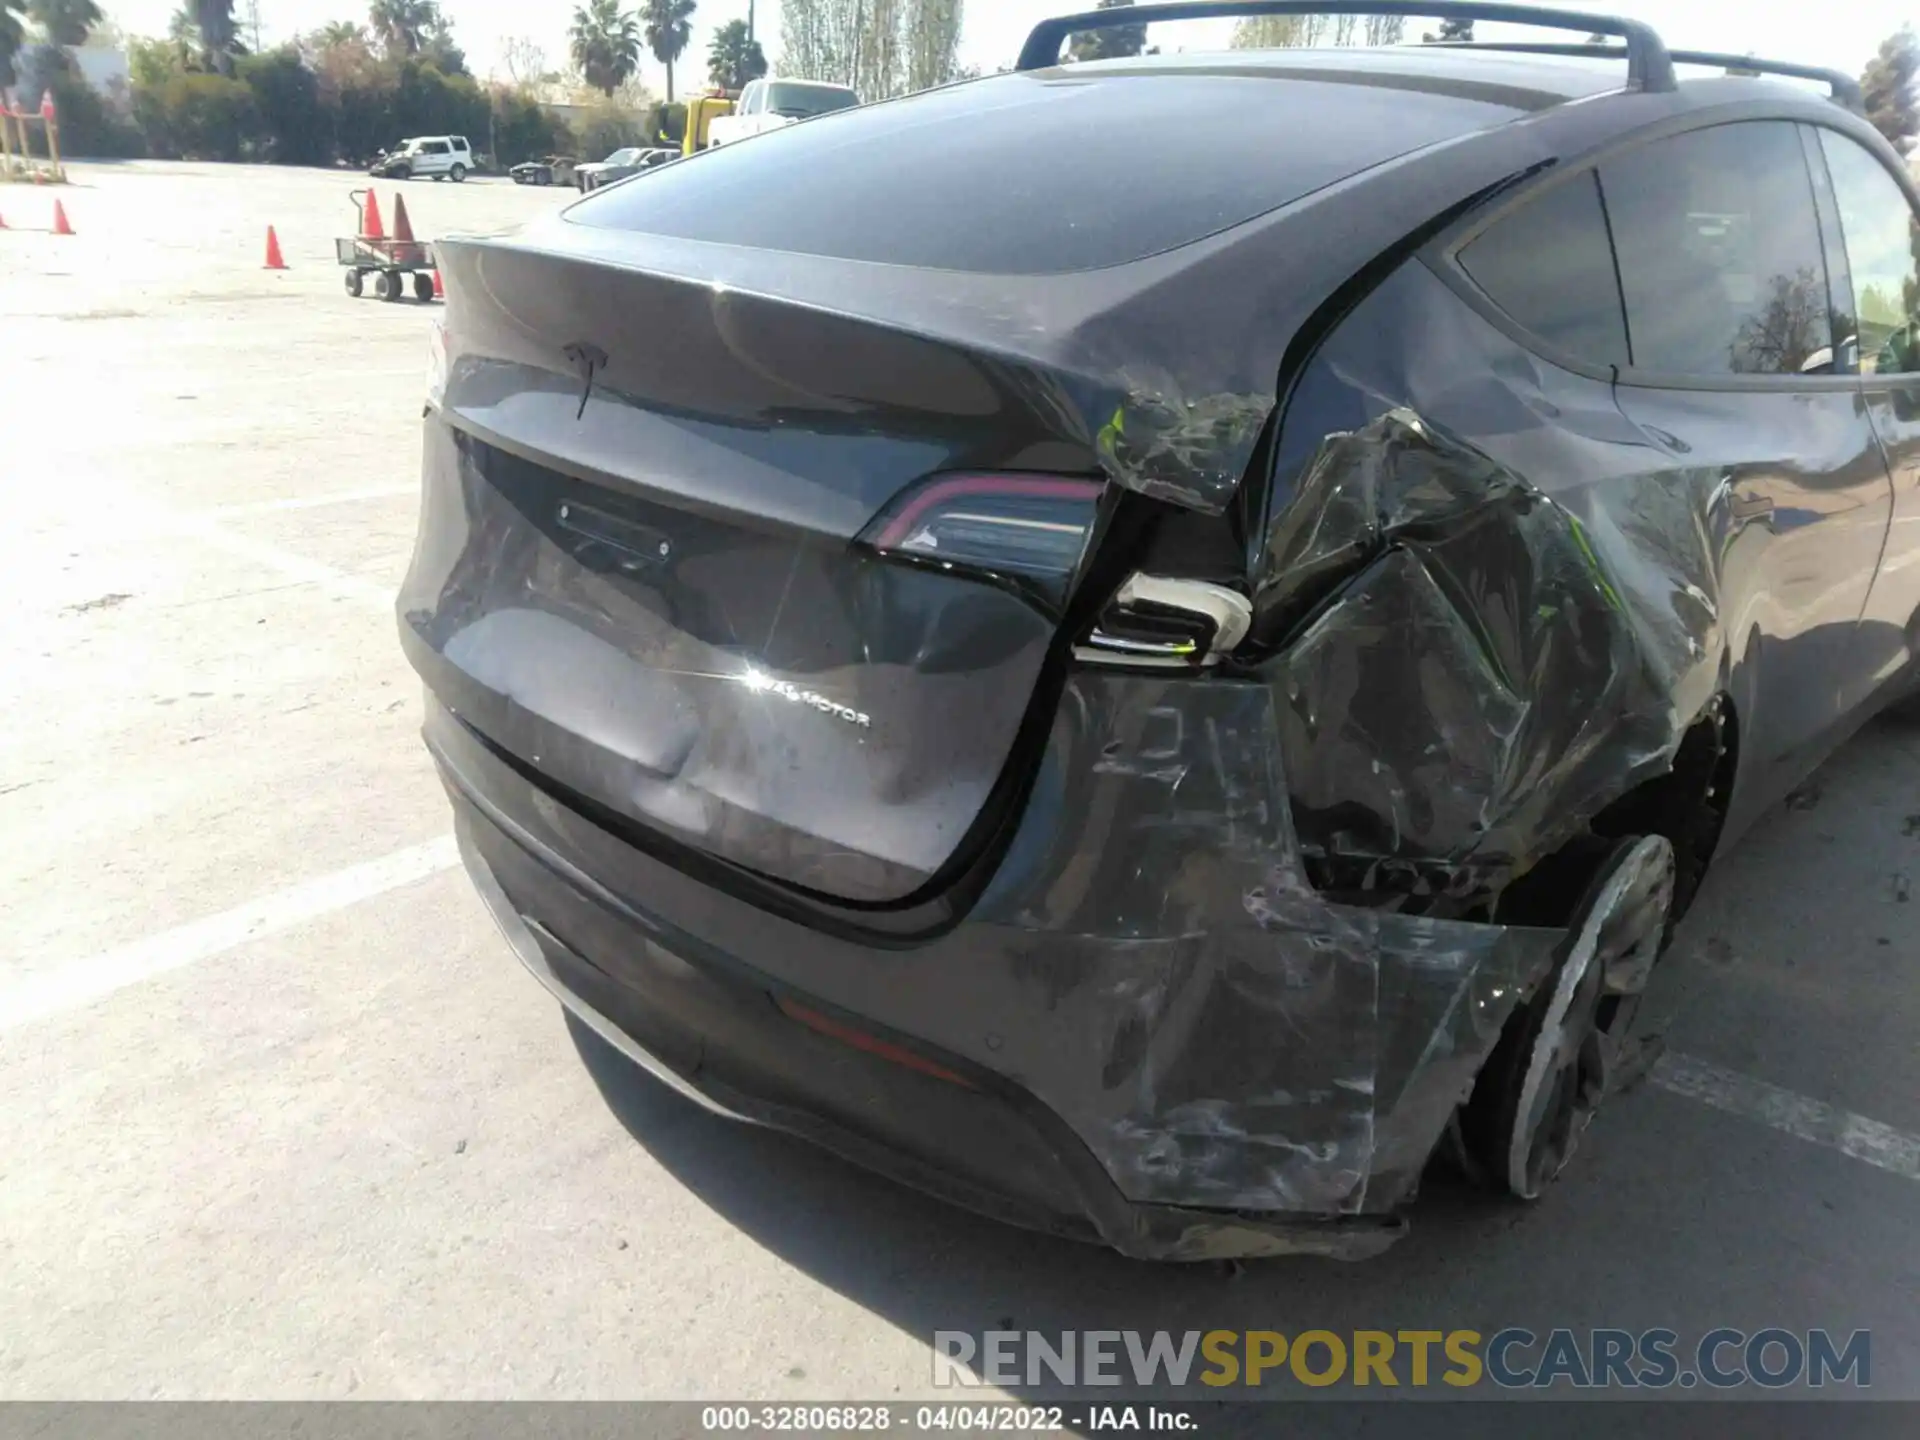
(60, 225)
(402, 227)
(370, 226)
(439, 290)
(3, 222)
(275, 261)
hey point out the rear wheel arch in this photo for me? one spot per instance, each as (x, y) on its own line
(1687, 803)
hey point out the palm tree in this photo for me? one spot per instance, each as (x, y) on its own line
(605, 44)
(403, 25)
(64, 22)
(669, 31)
(213, 23)
(336, 33)
(734, 57)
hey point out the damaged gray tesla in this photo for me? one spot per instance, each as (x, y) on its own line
(1140, 645)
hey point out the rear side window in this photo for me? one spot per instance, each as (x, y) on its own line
(1719, 250)
(1883, 253)
(1550, 267)
(1037, 173)
(800, 101)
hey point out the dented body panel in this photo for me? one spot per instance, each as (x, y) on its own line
(1197, 963)
(1500, 592)
(1150, 966)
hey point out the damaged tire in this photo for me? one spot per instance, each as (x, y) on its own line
(1561, 1052)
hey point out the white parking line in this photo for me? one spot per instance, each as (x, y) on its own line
(81, 983)
(298, 567)
(314, 502)
(1805, 1119)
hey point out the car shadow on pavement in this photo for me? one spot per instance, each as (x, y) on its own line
(1653, 1224)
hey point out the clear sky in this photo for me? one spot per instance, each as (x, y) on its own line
(1841, 33)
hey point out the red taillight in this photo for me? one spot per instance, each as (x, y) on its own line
(1030, 527)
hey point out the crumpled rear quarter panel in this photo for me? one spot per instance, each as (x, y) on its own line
(1218, 1033)
(1495, 607)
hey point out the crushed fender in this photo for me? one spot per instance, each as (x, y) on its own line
(1261, 1048)
(1469, 669)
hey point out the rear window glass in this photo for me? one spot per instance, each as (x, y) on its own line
(1036, 173)
(1549, 265)
(1720, 256)
(793, 99)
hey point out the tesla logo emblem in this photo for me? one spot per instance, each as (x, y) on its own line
(588, 360)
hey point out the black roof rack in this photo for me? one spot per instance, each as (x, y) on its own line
(1846, 90)
(1648, 65)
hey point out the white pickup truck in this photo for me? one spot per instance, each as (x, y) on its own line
(770, 104)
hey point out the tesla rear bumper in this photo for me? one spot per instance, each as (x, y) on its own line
(726, 1044)
(1148, 1032)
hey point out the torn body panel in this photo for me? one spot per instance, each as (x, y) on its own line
(1258, 1047)
(1241, 1066)
(1494, 595)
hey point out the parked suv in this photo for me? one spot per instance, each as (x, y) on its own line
(440, 157)
(1149, 688)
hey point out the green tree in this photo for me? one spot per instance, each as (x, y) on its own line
(932, 42)
(336, 33)
(438, 49)
(403, 26)
(1115, 43)
(1272, 32)
(195, 116)
(1888, 88)
(524, 130)
(64, 22)
(12, 36)
(87, 126)
(218, 37)
(294, 127)
(668, 25)
(1450, 32)
(605, 44)
(733, 58)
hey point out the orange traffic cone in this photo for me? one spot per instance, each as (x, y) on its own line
(402, 227)
(439, 290)
(60, 225)
(275, 261)
(370, 226)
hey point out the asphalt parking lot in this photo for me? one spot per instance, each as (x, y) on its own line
(280, 1116)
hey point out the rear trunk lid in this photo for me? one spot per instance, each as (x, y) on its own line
(670, 418)
(640, 571)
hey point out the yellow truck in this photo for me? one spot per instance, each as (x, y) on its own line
(702, 111)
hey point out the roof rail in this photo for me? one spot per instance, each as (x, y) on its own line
(1846, 90)
(1648, 64)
